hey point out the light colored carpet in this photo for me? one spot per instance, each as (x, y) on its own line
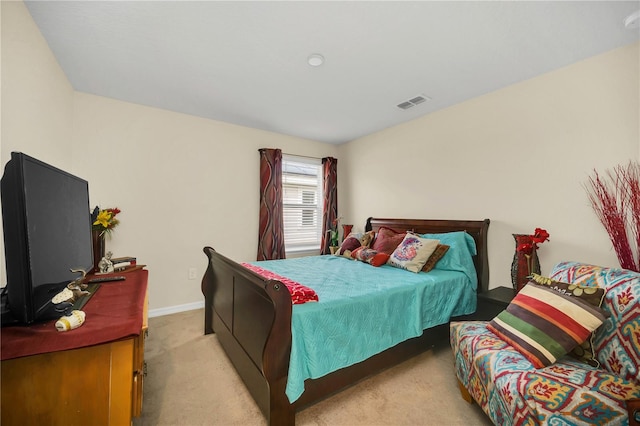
(191, 382)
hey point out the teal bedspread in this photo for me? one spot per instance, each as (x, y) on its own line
(363, 310)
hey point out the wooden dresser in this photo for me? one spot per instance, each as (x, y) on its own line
(95, 382)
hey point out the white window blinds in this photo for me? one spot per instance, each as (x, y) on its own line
(302, 203)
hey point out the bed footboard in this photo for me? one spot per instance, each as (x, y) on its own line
(251, 316)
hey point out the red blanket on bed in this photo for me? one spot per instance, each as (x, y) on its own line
(299, 293)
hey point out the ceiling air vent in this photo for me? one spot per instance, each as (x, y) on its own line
(413, 102)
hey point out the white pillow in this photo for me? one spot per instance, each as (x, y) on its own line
(413, 252)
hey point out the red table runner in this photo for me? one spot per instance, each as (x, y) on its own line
(114, 312)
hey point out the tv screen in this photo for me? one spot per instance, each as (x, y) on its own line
(47, 232)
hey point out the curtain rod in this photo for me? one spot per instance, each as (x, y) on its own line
(303, 156)
(297, 155)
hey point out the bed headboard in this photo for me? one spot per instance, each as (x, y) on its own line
(476, 228)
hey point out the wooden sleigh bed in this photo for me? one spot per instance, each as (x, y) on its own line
(251, 316)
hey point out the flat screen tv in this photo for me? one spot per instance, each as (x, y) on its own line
(47, 233)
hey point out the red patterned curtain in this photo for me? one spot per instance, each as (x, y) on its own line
(330, 196)
(271, 230)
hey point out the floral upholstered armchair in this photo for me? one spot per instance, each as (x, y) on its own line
(519, 377)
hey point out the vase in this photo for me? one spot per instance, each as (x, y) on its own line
(523, 264)
(346, 230)
(333, 249)
(98, 248)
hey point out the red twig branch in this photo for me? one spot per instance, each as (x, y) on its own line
(616, 202)
(631, 180)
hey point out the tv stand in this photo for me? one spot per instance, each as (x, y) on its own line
(92, 375)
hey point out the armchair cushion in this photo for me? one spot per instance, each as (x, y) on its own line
(506, 386)
(617, 342)
(513, 392)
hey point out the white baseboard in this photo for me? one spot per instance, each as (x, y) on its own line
(175, 309)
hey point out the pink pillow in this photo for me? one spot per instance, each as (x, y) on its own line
(350, 243)
(387, 240)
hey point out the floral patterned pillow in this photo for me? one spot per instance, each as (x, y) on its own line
(370, 256)
(413, 252)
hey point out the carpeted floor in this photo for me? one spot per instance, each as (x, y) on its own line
(191, 382)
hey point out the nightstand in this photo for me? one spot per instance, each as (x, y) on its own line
(492, 302)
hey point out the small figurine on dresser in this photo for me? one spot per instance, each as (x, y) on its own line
(106, 265)
(75, 290)
(73, 320)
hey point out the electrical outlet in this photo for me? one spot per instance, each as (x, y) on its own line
(193, 273)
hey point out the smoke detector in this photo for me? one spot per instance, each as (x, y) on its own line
(315, 60)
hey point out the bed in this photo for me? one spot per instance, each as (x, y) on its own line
(253, 319)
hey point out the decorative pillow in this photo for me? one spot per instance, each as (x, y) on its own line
(412, 253)
(357, 235)
(544, 325)
(370, 256)
(439, 252)
(592, 295)
(367, 238)
(349, 243)
(387, 240)
(354, 253)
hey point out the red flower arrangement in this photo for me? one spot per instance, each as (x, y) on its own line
(539, 236)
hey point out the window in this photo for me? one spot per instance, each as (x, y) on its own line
(302, 206)
(308, 214)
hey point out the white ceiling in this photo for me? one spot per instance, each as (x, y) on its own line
(246, 62)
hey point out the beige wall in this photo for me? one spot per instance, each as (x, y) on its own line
(37, 99)
(181, 182)
(518, 156)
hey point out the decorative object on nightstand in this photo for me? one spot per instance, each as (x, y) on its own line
(525, 259)
(346, 230)
(334, 240)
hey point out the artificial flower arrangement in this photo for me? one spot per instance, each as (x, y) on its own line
(333, 237)
(539, 236)
(104, 220)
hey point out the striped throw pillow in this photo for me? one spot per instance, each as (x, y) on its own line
(544, 325)
(594, 296)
